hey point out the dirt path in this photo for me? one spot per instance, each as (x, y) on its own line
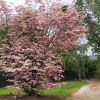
(89, 92)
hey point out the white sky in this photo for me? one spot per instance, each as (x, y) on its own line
(15, 2)
(20, 2)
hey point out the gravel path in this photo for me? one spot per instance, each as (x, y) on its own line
(89, 92)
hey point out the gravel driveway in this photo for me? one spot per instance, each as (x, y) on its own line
(89, 92)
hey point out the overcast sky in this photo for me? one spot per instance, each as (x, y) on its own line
(19, 2)
(16, 2)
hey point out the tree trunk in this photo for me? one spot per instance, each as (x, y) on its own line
(79, 76)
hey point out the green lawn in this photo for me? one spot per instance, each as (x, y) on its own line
(7, 91)
(65, 90)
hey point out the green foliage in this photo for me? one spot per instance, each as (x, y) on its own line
(2, 35)
(97, 73)
(3, 79)
(91, 67)
(94, 32)
(76, 64)
(89, 5)
(92, 7)
(65, 90)
(81, 66)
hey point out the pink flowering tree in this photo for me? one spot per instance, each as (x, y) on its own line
(34, 38)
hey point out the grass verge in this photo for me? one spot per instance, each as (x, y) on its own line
(7, 91)
(65, 90)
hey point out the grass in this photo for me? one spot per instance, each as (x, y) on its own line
(65, 90)
(7, 91)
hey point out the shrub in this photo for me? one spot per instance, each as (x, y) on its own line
(78, 66)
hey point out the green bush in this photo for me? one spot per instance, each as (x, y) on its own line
(79, 66)
(97, 75)
(97, 72)
(4, 79)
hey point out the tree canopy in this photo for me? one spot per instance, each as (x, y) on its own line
(92, 7)
(30, 49)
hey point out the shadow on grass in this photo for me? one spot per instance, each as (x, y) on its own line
(13, 97)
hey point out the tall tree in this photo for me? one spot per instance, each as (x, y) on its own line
(92, 7)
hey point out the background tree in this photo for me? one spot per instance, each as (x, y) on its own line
(78, 65)
(97, 72)
(92, 7)
(74, 61)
